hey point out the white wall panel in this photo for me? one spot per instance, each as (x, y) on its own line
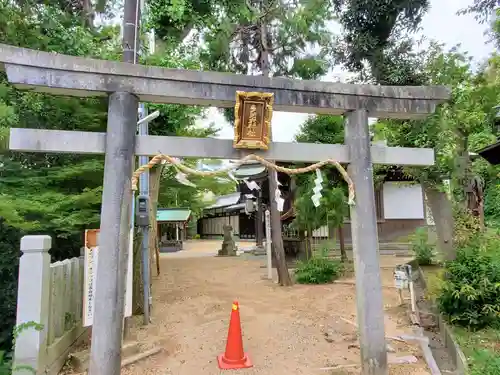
(403, 201)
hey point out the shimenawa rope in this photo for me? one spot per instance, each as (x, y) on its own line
(245, 160)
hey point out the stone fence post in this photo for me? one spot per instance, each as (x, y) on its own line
(32, 304)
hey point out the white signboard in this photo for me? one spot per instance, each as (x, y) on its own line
(129, 283)
(268, 245)
(400, 279)
(89, 284)
(403, 201)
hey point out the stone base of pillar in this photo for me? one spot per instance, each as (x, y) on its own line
(259, 250)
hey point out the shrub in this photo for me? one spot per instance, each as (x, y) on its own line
(5, 363)
(319, 269)
(434, 283)
(423, 250)
(470, 294)
(9, 262)
(466, 226)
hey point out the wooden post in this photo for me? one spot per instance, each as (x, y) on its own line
(279, 251)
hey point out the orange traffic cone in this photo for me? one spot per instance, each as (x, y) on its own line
(234, 357)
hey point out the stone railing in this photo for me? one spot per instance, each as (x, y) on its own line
(49, 307)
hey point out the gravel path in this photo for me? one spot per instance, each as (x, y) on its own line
(286, 331)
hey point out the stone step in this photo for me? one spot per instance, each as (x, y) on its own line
(382, 250)
(131, 352)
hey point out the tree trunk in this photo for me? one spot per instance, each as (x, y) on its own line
(282, 268)
(279, 251)
(331, 235)
(343, 253)
(309, 243)
(154, 190)
(442, 214)
(88, 14)
(462, 167)
(304, 245)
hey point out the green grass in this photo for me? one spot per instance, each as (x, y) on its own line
(482, 349)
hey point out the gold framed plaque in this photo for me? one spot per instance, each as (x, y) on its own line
(252, 126)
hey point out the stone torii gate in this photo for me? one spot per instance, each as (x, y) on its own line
(126, 84)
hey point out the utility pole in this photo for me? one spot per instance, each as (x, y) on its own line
(144, 191)
(143, 129)
(276, 230)
(144, 120)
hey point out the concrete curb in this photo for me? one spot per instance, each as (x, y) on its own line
(456, 354)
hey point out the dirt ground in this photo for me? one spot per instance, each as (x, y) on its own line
(295, 330)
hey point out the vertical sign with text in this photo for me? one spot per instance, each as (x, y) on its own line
(90, 276)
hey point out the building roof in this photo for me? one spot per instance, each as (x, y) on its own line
(250, 170)
(226, 200)
(235, 207)
(491, 153)
(173, 214)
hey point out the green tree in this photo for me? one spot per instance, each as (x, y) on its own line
(54, 194)
(330, 130)
(375, 33)
(60, 195)
(236, 42)
(9, 262)
(379, 34)
(462, 125)
(322, 129)
(482, 9)
(173, 20)
(175, 194)
(231, 34)
(53, 186)
(331, 211)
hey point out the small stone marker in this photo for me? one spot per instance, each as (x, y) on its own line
(228, 245)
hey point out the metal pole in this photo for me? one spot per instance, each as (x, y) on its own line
(143, 129)
(144, 190)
